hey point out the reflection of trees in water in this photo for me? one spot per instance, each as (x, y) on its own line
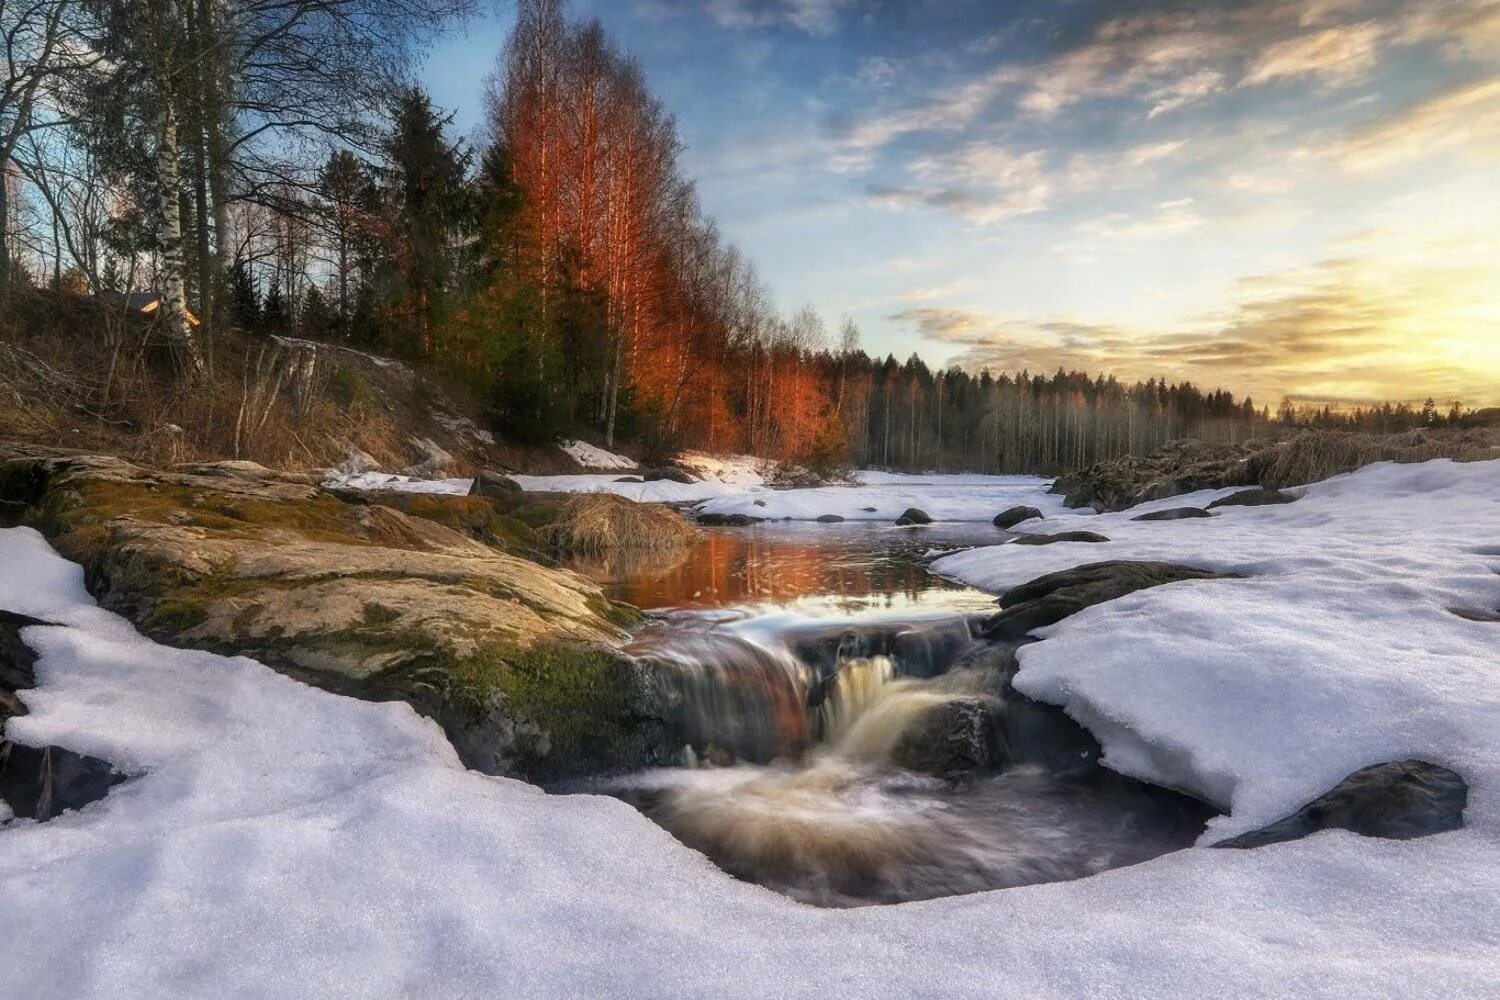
(728, 567)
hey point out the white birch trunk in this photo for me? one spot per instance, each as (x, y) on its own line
(174, 311)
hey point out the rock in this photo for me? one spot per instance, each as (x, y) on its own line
(1397, 801)
(435, 463)
(367, 600)
(1478, 614)
(829, 518)
(487, 483)
(39, 782)
(357, 461)
(1051, 598)
(914, 515)
(670, 473)
(1060, 536)
(1178, 467)
(630, 479)
(728, 520)
(1013, 516)
(759, 503)
(868, 510)
(1172, 514)
(951, 739)
(1254, 498)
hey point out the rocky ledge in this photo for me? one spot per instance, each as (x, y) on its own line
(431, 600)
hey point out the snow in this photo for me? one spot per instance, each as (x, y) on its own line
(1337, 648)
(944, 497)
(592, 457)
(280, 841)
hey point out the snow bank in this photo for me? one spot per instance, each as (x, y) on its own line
(1338, 649)
(592, 457)
(281, 841)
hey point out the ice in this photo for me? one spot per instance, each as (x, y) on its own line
(280, 841)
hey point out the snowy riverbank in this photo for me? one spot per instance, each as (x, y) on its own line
(277, 840)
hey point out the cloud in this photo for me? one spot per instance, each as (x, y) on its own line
(1336, 56)
(1467, 118)
(1347, 327)
(816, 17)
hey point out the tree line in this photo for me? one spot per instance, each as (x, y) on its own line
(270, 166)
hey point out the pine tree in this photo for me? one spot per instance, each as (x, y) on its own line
(430, 210)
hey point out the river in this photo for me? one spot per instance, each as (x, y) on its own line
(848, 741)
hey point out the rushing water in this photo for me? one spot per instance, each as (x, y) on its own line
(846, 740)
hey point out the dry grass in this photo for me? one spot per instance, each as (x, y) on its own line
(76, 373)
(1315, 455)
(593, 523)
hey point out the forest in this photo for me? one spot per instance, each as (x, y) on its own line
(269, 168)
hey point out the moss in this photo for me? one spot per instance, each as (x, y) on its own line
(621, 615)
(590, 703)
(481, 518)
(175, 615)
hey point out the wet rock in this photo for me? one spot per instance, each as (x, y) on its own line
(1060, 536)
(488, 483)
(728, 520)
(1013, 516)
(1051, 598)
(829, 518)
(670, 473)
(1397, 800)
(914, 515)
(951, 739)
(39, 782)
(1259, 497)
(1172, 514)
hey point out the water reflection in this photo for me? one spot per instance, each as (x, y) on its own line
(834, 569)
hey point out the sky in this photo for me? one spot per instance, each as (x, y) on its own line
(1280, 197)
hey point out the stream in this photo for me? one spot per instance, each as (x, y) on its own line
(847, 741)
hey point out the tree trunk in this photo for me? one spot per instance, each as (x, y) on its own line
(174, 311)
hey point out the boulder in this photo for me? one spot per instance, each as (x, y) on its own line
(829, 518)
(630, 479)
(1397, 800)
(1051, 598)
(366, 600)
(950, 739)
(728, 520)
(670, 473)
(1172, 514)
(487, 483)
(434, 463)
(1060, 536)
(914, 515)
(1258, 497)
(1013, 516)
(759, 503)
(868, 510)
